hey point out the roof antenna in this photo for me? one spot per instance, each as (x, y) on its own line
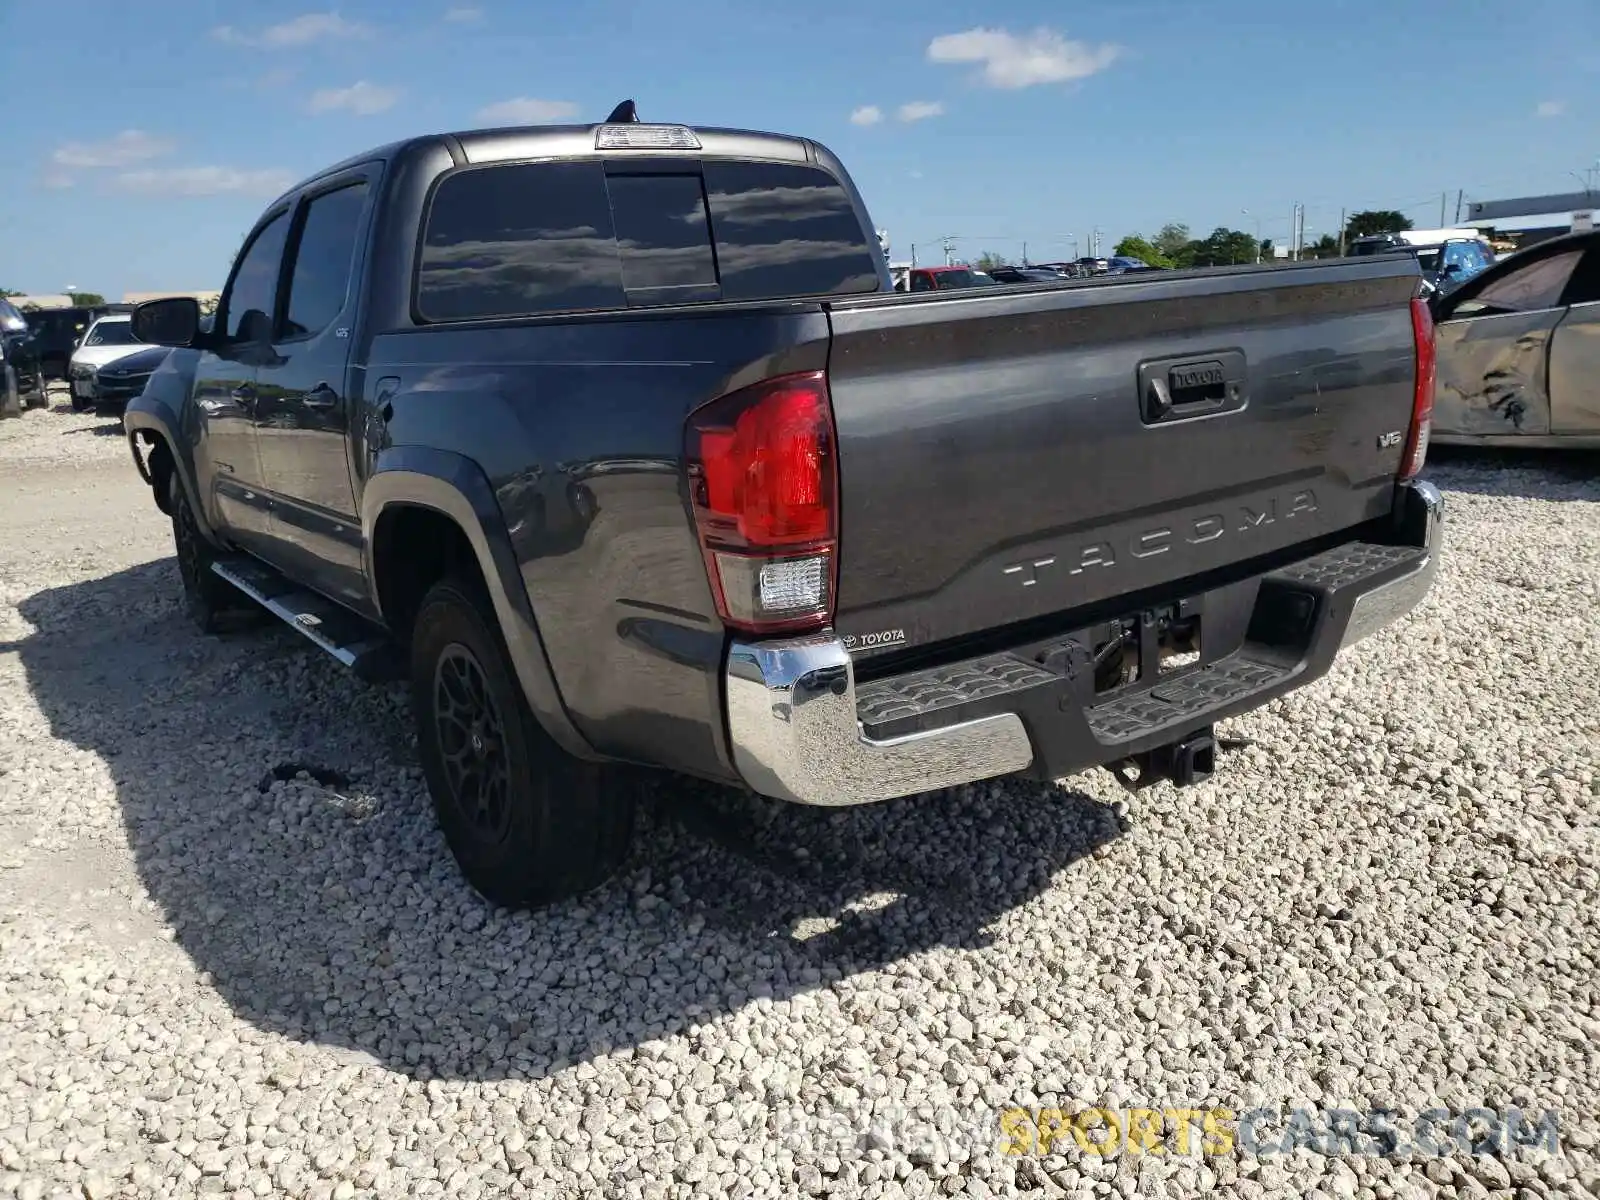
(623, 114)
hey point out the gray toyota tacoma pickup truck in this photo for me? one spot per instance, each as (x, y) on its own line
(616, 441)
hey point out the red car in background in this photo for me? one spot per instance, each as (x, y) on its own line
(940, 279)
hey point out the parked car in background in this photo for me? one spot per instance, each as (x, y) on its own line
(940, 279)
(1519, 350)
(109, 338)
(1023, 275)
(1093, 266)
(21, 383)
(122, 380)
(1447, 258)
(57, 332)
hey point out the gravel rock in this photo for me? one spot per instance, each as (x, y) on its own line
(236, 959)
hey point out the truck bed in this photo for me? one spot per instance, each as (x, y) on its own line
(1006, 454)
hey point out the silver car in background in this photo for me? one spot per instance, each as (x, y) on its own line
(1519, 350)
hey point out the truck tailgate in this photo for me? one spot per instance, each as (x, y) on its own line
(1007, 453)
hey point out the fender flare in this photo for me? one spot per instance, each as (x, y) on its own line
(150, 414)
(455, 487)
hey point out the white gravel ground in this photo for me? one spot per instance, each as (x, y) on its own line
(214, 981)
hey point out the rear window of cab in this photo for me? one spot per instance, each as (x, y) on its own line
(527, 239)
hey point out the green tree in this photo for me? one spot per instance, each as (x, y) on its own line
(86, 299)
(1324, 247)
(1378, 220)
(1134, 246)
(1172, 240)
(208, 306)
(989, 260)
(1224, 248)
(1266, 250)
(11, 292)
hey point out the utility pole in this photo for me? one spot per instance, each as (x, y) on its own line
(1341, 232)
(1442, 197)
(1461, 194)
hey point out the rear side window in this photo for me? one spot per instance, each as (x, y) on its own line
(1535, 287)
(320, 279)
(529, 238)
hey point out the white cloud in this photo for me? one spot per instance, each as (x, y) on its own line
(526, 111)
(126, 148)
(1021, 60)
(867, 114)
(919, 110)
(57, 180)
(465, 14)
(361, 98)
(1551, 108)
(301, 31)
(205, 181)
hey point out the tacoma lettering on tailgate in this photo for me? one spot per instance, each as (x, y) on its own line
(1241, 519)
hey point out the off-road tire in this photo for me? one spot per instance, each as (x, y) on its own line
(212, 604)
(540, 825)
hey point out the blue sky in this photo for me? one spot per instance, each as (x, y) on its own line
(151, 135)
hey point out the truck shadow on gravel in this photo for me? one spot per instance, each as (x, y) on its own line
(277, 815)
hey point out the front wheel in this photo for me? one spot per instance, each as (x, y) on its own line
(207, 597)
(528, 823)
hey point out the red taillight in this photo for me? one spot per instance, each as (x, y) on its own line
(1422, 401)
(763, 479)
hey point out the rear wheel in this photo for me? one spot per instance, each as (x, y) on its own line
(528, 823)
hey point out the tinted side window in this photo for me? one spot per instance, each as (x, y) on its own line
(250, 296)
(1536, 286)
(786, 230)
(519, 239)
(663, 236)
(1584, 285)
(321, 278)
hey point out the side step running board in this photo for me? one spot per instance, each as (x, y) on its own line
(357, 644)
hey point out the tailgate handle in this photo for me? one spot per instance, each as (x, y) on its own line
(1192, 387)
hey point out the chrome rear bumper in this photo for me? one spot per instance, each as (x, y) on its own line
(1421, 516)
(792, 715)
(796, 733)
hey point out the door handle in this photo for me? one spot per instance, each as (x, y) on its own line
(321, 396)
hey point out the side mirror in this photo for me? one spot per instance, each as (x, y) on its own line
(171, 322)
